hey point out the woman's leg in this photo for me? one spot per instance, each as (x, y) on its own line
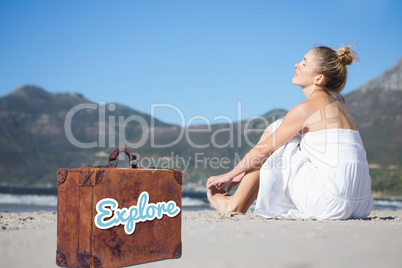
(242, 199)
(245, 194)
(252, 198)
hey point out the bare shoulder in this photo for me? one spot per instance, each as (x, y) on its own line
(304, 108)
(306, 114)
(298, 114)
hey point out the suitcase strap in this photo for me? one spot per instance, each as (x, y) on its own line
(113, 157)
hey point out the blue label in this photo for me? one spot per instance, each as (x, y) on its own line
(143, 211)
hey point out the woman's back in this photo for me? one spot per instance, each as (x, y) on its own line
(339, 160)
(325, 112)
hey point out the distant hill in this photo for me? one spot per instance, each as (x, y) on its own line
(376, 108)
(34, 143)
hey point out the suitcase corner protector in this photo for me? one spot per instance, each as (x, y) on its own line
(177, 251)
(178, 175)
(61, 175)
(61, 259)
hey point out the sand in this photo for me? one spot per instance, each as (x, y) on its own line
(211, 239)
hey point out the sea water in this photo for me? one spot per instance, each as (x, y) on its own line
(190, 201)
(35, 202)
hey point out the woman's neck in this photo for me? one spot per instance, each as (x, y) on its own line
(312, 90)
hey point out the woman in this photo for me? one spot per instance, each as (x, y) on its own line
(312, 164)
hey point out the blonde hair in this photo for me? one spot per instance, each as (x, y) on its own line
(332, 64)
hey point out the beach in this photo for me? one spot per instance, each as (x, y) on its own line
(210, 239)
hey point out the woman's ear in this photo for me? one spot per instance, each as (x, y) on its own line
(319, 80)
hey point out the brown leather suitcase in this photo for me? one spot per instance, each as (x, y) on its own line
(113, 217)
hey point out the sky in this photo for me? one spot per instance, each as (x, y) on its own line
(189, 62)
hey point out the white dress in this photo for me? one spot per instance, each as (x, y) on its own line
(317, 175)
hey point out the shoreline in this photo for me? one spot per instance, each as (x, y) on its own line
(52, 190)
(32, 203)
(211, 239)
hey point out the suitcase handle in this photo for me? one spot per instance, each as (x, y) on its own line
(113, 157)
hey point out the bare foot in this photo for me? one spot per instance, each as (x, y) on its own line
(219, 200)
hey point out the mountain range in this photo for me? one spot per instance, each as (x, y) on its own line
(376, 108)
(41, 132)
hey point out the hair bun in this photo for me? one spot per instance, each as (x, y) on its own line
(346, 55)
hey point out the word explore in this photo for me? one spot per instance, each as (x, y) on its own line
(143, 211)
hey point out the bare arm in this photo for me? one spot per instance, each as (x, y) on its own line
(255, 158)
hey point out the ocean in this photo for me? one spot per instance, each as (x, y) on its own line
(48, 202)
(11, 202)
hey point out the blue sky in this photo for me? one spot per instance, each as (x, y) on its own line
(202, 57)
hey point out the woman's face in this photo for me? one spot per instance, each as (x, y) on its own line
(305, 72)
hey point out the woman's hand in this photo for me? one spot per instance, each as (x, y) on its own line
(219, 181)
(236, 180)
